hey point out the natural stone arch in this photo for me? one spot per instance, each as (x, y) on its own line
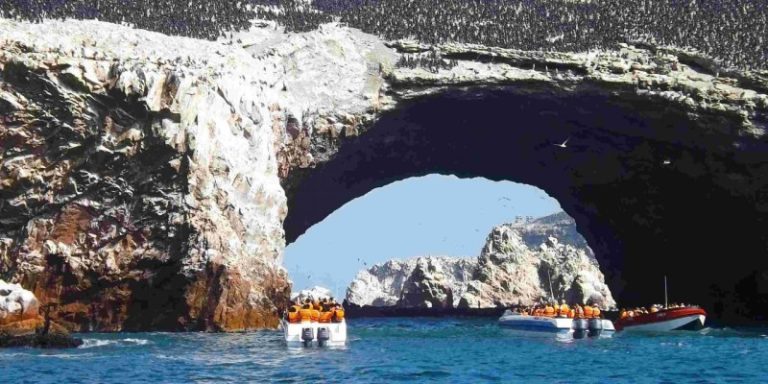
(654, 189)
(222, 132)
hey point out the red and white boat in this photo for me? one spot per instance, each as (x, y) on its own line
(668, 319)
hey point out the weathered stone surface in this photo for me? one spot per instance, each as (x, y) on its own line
(145, 178)
(513, 268)
(17, 304)
(21, 324)
(140, 174)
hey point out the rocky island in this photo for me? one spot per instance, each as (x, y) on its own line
(151, 182)
(515, 267)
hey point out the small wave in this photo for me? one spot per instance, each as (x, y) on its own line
(93, 343)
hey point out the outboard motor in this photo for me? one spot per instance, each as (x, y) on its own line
(307, 335)
(323, 335)
(580, 328)
(595, 327)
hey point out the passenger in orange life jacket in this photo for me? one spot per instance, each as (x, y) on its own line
(564, 309)
(596, 312)
(305, 313)
(293, 313)
(587, 311)
(579, 312)
(549, 311)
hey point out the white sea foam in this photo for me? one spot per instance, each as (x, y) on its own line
(93, 343)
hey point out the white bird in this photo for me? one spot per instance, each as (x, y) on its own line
(667, 162)
(563, 144)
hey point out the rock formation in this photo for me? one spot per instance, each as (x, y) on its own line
(421, 282)
(145, 179)
(141, 173)
(514, 268)
(314, 293)
(18, 306)
(22, 325)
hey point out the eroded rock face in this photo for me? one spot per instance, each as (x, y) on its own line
(17, 304)
(140, 173)
(145, 178)
(512, 269)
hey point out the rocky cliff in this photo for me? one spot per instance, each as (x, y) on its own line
(514, 268)
(140, 173)
(145, 180)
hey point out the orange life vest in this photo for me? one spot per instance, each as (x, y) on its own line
(338, 315)
(596, 313)
(314, 315)
(587, 311)
(572, 313)
(325, 317)
(623, 315)
(564, 310)
(305, 314)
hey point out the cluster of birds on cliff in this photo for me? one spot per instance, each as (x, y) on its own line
(731, 31)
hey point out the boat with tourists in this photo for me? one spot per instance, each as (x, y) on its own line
(657, 319)
(315, 323)
(665, 318)
(577, 322)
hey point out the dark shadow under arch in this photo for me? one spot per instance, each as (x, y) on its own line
(700, 219)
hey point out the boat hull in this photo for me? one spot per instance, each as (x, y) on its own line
(665, 321)
(536, 323)
(292, 332)
(560, 325)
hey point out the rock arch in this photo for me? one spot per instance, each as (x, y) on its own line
(655, 189)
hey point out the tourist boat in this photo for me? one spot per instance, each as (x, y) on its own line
(315, 334)
(664, 320)
(560, 325)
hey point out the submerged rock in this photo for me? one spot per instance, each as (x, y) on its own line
(514, 268)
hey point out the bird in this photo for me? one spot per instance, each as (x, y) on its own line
(563, 144)
(667, 162)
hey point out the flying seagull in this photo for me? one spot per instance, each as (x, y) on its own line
(563, 144)
(667, 162)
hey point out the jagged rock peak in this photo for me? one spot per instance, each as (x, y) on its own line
(514, 267)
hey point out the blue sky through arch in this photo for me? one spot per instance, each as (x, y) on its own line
(430, 215)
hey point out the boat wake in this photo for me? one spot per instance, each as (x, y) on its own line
(95, 343)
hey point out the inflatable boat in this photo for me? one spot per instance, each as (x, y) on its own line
(669, 319)
(313, 333)
(560, 325)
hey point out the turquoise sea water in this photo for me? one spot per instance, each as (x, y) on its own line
(449, 350)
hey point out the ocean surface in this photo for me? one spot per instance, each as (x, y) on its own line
(447, 350)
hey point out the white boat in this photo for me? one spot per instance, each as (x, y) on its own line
(314, 333)
(560, 325)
